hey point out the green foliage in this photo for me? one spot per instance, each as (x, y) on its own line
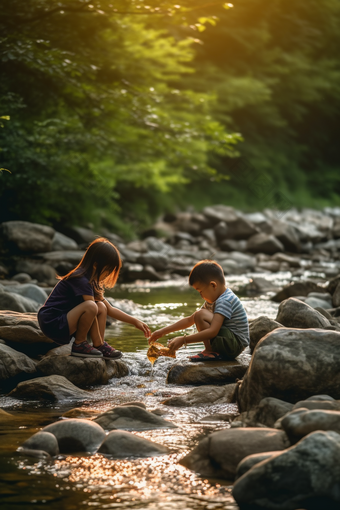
(275, 69)
(99, 104)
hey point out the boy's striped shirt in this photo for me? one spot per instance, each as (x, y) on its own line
(229, 305)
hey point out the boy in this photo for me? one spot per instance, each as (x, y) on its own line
(222, 321)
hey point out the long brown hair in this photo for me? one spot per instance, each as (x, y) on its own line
(101, 256)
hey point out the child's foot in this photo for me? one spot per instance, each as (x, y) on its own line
(109, 352)
(85, 350)
(207, 356)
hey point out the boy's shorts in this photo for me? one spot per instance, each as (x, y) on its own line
(226, 344)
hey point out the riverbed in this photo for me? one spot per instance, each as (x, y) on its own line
(72, 482)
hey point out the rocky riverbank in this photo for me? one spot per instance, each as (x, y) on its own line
(280, 449)
(259, 242)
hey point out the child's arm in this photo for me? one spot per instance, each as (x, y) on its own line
(181, 324)
(201, 336)
(124, 317)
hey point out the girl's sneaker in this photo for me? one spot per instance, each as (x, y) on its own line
(109, 352)
(85, 350)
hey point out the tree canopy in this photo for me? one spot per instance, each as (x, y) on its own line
(97, 100)
(113, 111)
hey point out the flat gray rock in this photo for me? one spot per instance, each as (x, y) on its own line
(131, 418)
(76, 435)
(50, 388)
(207, 372)
(121, 445)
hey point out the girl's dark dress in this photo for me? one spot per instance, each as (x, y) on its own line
(65, 296)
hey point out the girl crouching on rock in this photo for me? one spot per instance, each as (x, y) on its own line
(77, 305)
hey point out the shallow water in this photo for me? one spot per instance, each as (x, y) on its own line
(71, 482)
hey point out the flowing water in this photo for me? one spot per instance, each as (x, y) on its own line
(74, 482)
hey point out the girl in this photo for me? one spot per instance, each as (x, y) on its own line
(77, 305)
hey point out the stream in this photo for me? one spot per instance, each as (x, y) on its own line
(71, 482)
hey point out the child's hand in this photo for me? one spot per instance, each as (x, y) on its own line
(154, 337)
(143, 327)
(176, 343)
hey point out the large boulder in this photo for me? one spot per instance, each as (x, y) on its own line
(294, 313)
(259, 328)
(301, 422)
(218, 455)
(264, 243)
(27, 237)
(13, 363)
(80, 371)
(51, 388)
(16, 303)
(217, 372)
(306, 472)
(21, 328)
(121, 444)
(131, 418)
(203, 395)
(44, 441)
(292, 365)
(76, 435)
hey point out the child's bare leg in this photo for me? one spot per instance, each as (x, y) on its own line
(203, 320)
(80, 319)
(98, 327)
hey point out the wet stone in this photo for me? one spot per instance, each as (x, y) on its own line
(50, 388)
(121, 444)
(77, 435)
(131, 418)
(44, 441)
(213, 372)
(219, 454)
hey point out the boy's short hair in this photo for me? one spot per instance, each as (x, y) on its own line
(206, 271)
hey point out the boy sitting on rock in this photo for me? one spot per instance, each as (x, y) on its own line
(222, 321)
